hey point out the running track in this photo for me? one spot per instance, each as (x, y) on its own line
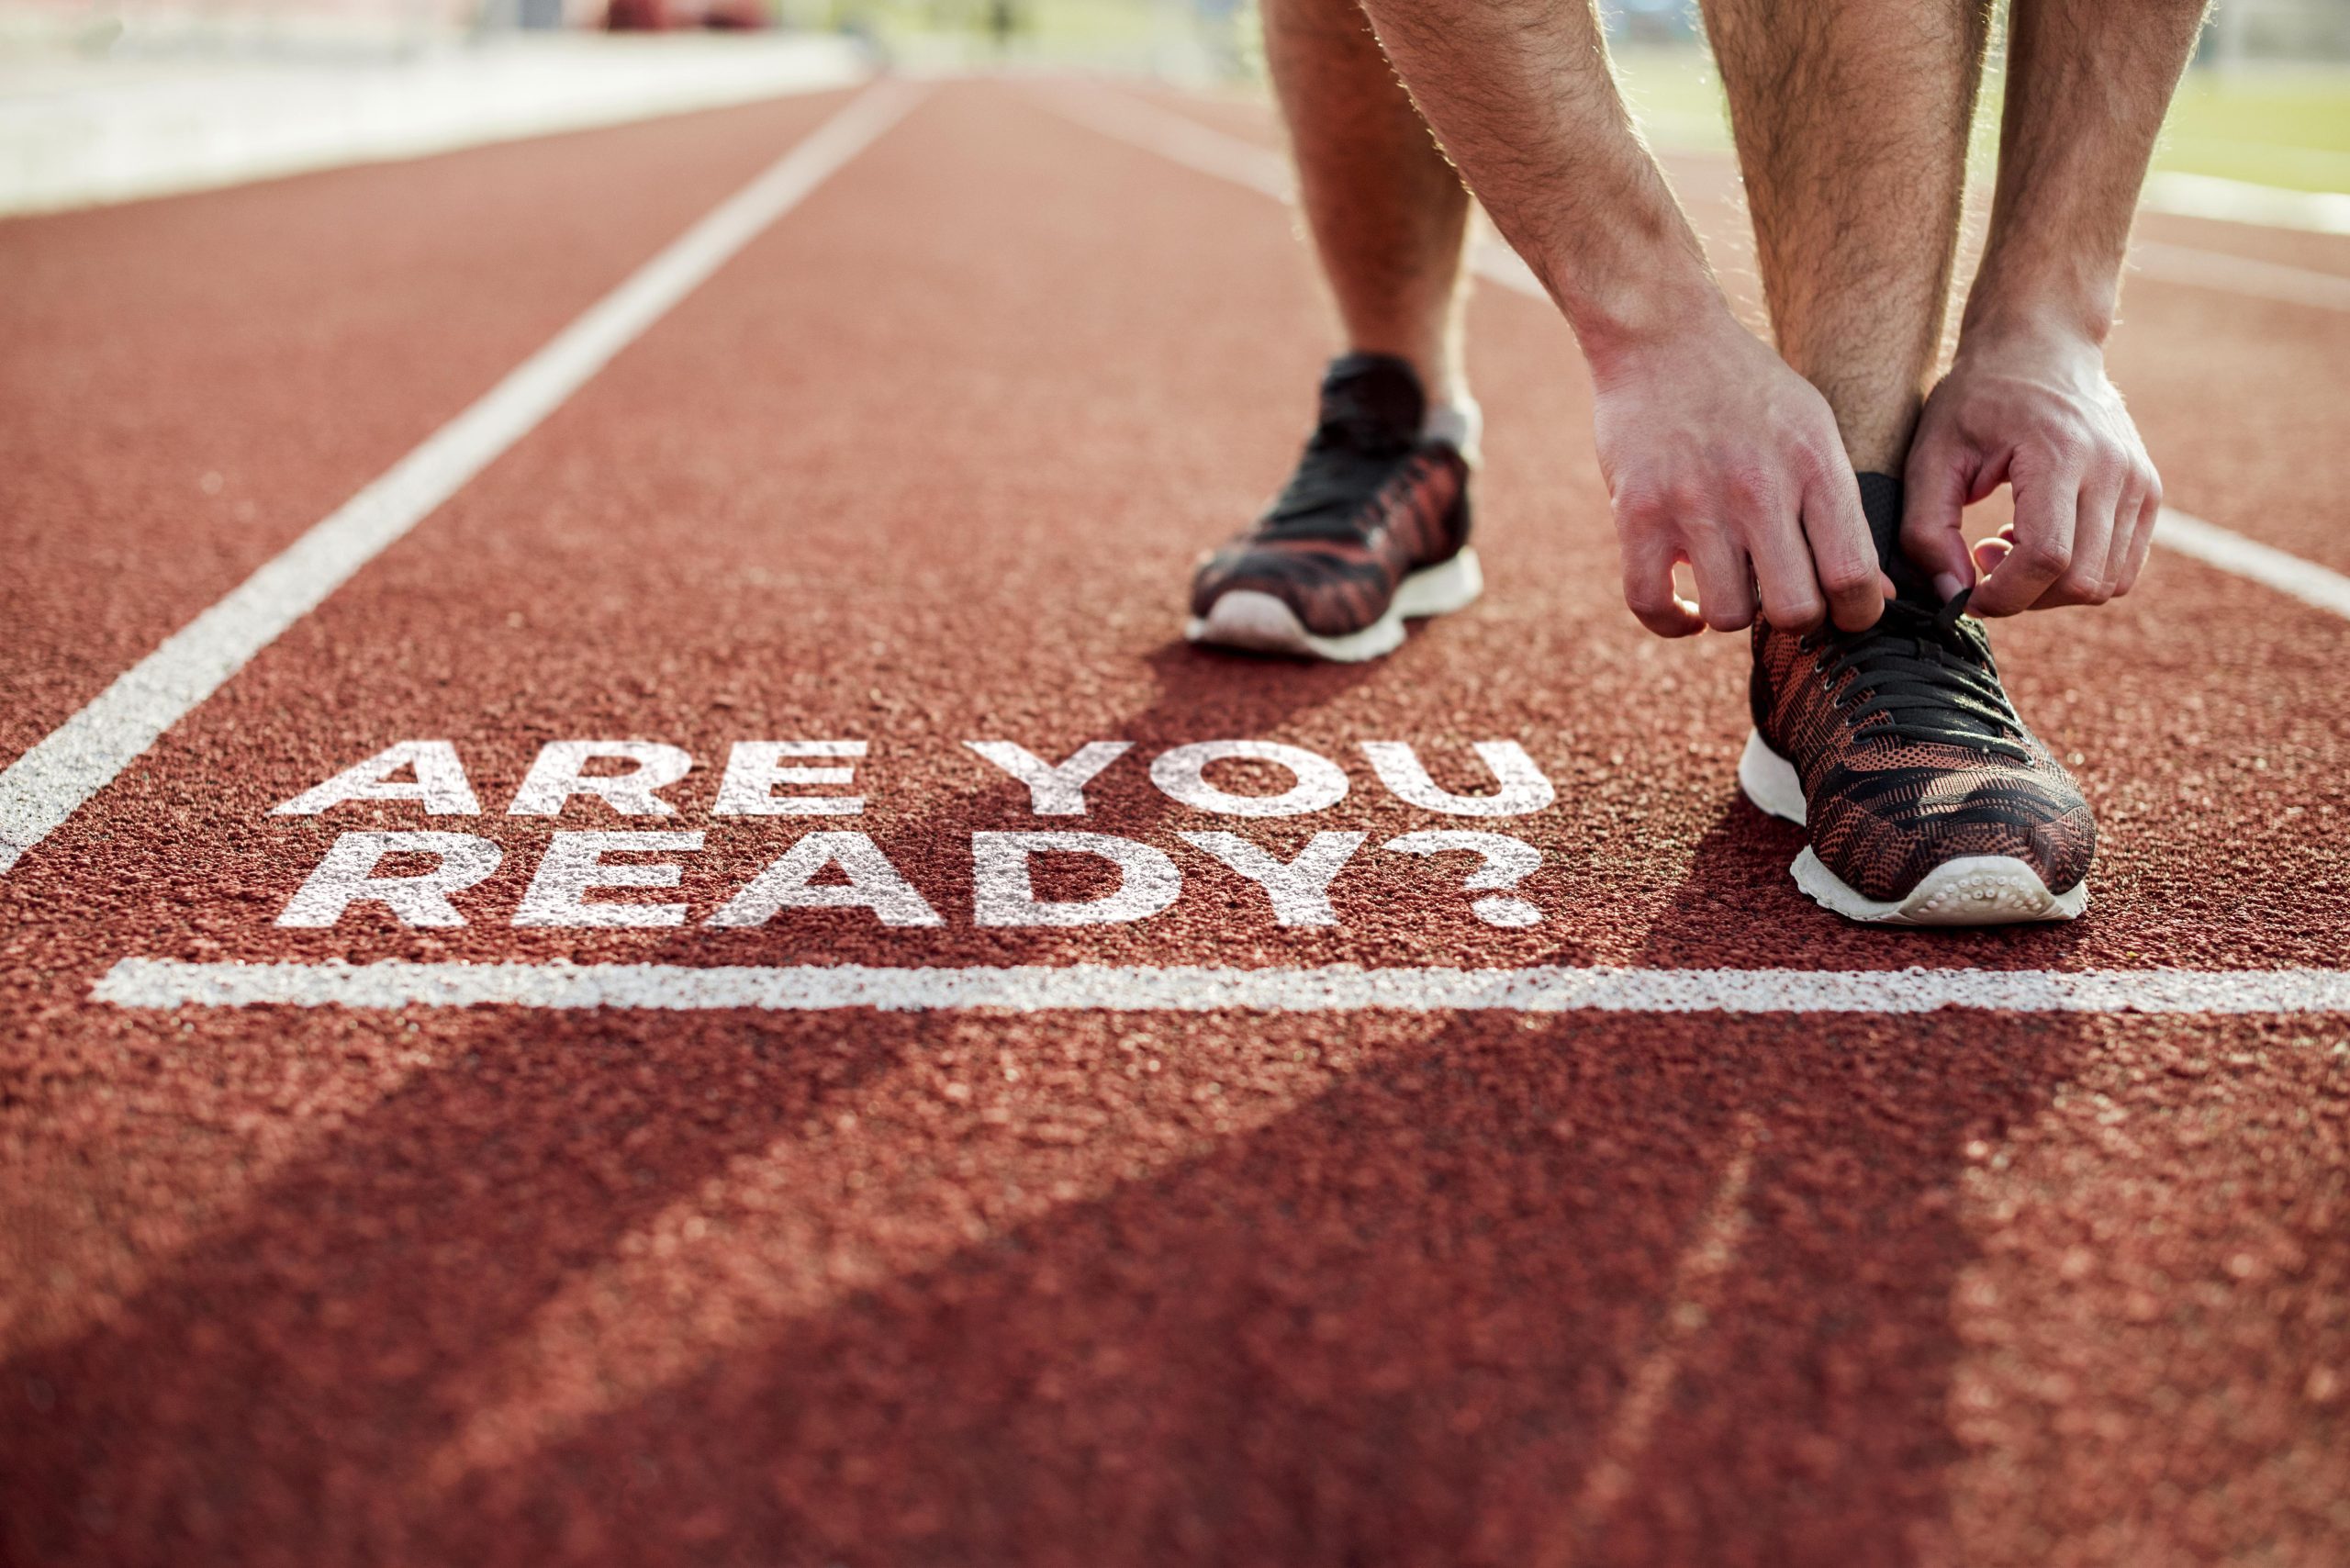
(926, 461)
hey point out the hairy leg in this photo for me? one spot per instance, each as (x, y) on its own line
(1388, 214)
(1852, 122)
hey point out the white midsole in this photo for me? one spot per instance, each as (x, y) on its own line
(1771, 781)
(1973, 890)
(1260, 622)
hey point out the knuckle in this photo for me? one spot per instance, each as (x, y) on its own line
(1846, 576)
(1636, 508)
(2043, 557)
(2069, 445)
(1751, 485)
(1856, 617)
(1639, 500)
(1799, 615)
(1809, 461)
(1685, 500)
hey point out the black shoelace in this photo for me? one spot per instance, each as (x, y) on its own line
(1922, 675)
(1348, 456)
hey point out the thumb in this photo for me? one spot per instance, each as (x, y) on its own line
(1937, 483)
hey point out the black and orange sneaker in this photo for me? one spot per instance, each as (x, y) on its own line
(1371, 531)
(1928, 800)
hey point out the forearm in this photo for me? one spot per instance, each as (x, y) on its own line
(2089, 83)
(1519, 93)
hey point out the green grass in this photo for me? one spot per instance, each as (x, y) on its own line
(2283, 127)
(2274, 126)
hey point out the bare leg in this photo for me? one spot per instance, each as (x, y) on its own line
(1852, 122)
(1389, 216)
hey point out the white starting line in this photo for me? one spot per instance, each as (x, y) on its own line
(1029, 988)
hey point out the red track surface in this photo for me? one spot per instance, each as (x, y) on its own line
(929, 462)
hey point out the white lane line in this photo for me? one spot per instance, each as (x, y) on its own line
(164, 982)
(1193, 145)
(2181, 195)
(1184, 140)
(1688, 1309)
(2270, 567)
(1177, 138)
(41, 789)
(2239, 274)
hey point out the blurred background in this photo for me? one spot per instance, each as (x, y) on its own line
(102, 100)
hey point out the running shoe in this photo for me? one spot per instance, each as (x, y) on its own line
(1928, 800)
(1372, 531)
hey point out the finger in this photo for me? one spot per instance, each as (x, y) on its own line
(2132, 505)
(2083, 582)
(1725, 580)
(1648, 589)
(1843, 556)
(2126, 523)
(2042, 551)
(2142, 539)
(1937, 483)
(1782, 567)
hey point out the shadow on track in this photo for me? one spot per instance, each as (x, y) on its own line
(1506, 1295)
(1622, 1290)
(1738, 905)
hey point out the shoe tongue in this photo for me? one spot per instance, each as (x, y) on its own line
(1376, 390)
(1881, 503)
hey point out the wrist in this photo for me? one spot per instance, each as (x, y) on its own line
(2054, 311)
(1621, 329)
(2040, 338)
(1627, 271)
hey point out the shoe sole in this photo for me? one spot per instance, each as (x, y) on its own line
(1973, 890)
(1260, 624)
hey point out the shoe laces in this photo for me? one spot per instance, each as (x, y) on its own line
(1349, 454)
(1920, 674)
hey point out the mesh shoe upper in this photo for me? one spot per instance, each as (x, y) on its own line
(1910, 754)
(1370, 502)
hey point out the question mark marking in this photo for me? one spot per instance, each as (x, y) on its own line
(1507, 862)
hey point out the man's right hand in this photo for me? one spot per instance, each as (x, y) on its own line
(1718, 454)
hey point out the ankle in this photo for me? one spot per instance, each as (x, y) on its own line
(1460, 423)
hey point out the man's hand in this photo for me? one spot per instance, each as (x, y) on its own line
(1718, 454)
(2033, 410)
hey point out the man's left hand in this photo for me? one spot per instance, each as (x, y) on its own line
(2033, 410)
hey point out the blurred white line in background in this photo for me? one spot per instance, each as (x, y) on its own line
(2232, 552)
(77, 142)
(2180, 195)
(1185, 140)
(2239, 274)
